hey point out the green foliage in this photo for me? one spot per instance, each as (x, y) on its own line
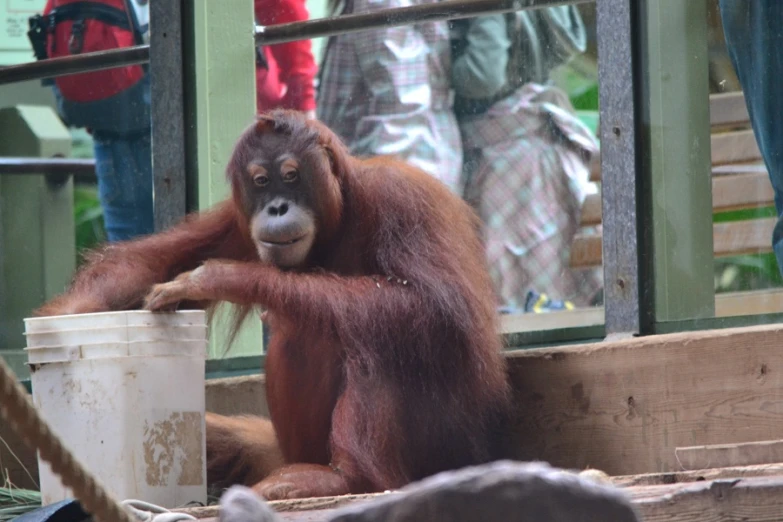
(747, 272)
(87, 210)
(15, 502)
(579, 79)
(89, 218)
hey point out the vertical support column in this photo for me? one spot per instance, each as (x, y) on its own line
(221, 87)
(675, 63)
(621, 177)
(168, 113)
(37, 230)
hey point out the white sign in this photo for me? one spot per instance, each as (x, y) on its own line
(14, 45)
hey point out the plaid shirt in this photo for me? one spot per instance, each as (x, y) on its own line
(527, 177)
(387, 91)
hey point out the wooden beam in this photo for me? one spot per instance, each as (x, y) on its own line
(728, 109)
(624, 406)
(729, 239)
(591, 211)
(578, 317)
(752, 500)
(756, 499)
(740, 191)
(586, 251)
(678, 477)
(729, 192)
(743, 237)
(734, 147)
(752, 302)
(726, 455)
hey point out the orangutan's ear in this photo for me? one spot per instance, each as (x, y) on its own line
(265, 123)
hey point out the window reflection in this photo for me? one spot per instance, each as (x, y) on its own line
(501, 108)
(471, 101)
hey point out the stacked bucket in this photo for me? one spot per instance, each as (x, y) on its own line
(125, 391)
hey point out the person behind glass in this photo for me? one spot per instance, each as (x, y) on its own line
(285, 73)
(754, 40)
(112, 104)
(526, 153)
(387, 91)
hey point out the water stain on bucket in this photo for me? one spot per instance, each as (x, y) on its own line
(173, 450)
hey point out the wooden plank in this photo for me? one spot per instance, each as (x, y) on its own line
(727, 109)
(755, 499)
(743, 237)
(743, 168)
(624, 406)
(316, 508)
(586, 251)
(727, 455)
(731, 500)
(729, 192)
(753, 302)
(739, 191)
(734, 147)
(729, 239)
(591, 211)
(677, 477)
(578, 317)
(595, 167)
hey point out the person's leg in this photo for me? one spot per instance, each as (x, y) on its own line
(124, 170)
(754, 40)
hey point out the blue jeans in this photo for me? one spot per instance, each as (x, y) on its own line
(123, 165)
(123, 156)
(755, 43)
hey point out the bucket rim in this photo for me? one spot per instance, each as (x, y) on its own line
(117, 319)
(120, 350)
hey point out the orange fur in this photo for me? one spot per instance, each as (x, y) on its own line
(240, 450)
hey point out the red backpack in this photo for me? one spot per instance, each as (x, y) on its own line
(71, 27)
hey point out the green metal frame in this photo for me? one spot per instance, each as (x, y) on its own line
(222, 44)
(37, 251)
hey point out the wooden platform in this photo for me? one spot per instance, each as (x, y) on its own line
(633, 408)
(644, 410)
(752, 498)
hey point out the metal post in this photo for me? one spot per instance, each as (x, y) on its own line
(674, 57)
(625, 276)
(36, 226)
(168, 113)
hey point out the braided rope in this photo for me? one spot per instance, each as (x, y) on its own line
(20, 412)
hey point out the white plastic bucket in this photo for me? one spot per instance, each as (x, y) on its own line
(125, 393)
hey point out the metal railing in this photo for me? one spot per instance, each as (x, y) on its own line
(321, 27)
(27, 166)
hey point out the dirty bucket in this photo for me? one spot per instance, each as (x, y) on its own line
(125, 393)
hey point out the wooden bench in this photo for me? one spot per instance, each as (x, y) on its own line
(739, 181)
